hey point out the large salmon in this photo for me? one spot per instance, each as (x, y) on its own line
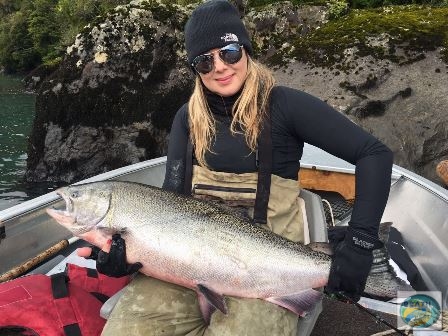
(200, 246)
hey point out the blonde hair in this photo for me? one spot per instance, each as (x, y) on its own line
(247, 112)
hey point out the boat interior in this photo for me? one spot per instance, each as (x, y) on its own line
(31, 242)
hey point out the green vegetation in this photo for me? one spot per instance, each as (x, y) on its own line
(357, 3)
(384, 3)
(16, 45)
(379, 32)
(34, 32)
(261, 3)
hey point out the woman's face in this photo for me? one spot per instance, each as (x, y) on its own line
(225, 79)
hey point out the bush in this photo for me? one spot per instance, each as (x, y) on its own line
(337, 8)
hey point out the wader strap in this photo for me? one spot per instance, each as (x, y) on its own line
(188, 168)
(264, 162)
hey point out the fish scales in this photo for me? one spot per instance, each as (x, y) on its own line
(203, 244)
(205, 247)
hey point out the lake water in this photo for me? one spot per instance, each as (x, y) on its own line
(16, 119)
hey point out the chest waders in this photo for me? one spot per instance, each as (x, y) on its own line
(283, 216)
(268, 200)
(153, 307)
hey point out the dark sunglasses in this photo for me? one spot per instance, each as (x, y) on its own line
(230, 54)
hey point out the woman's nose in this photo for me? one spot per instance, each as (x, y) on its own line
(219, 64)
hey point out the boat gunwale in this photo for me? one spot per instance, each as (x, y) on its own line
(51, 197)
(316, 158)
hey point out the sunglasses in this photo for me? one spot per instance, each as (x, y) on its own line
(230, 54)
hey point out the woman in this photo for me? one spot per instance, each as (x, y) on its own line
(239, 132)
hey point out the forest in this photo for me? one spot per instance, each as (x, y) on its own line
(35, 32)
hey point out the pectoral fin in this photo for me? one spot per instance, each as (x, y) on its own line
(214, 299)
(299, 303)
(206, 308)
(209, 301)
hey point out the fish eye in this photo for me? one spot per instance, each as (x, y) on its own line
(74, 194)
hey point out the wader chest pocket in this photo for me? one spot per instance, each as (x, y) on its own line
(198, 188)
(233, 196)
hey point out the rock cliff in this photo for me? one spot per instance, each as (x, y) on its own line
(112, 100)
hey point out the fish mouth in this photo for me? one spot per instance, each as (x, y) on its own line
(68, 203)
(63, 216)
(68, 210)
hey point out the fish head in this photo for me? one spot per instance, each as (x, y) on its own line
(86, 206)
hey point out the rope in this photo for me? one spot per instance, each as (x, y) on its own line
(408, 329)
(336, 209)
(377, 317)
(444, 320)
(405, 329)
(330, 209)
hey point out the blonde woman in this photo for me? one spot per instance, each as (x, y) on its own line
(239, 141)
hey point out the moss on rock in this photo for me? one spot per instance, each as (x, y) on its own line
(262, 3)
(399, 33)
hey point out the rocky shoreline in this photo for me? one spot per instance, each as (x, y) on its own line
(405, 106)
(111, 101)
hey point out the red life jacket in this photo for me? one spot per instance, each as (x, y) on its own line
(58, 305)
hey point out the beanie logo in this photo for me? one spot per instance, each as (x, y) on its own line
(229, 37)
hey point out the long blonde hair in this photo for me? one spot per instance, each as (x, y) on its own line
(248, 110)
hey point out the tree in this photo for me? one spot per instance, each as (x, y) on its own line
(17, 52)
(44, 28)
(8, 7)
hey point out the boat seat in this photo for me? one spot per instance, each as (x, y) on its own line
(315, 228)
(314, 217)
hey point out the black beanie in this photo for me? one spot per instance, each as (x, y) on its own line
(214, 24)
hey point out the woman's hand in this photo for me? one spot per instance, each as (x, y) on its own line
(351, 265)
(111, 258)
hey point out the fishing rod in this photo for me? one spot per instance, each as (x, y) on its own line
(364, 309)
(36, 260)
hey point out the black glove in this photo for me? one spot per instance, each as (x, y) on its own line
(114, 264)
(336, 235)
(352, 261)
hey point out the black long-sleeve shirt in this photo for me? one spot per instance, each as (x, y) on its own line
(296, 117)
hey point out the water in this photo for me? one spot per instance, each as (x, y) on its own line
(16, 119)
